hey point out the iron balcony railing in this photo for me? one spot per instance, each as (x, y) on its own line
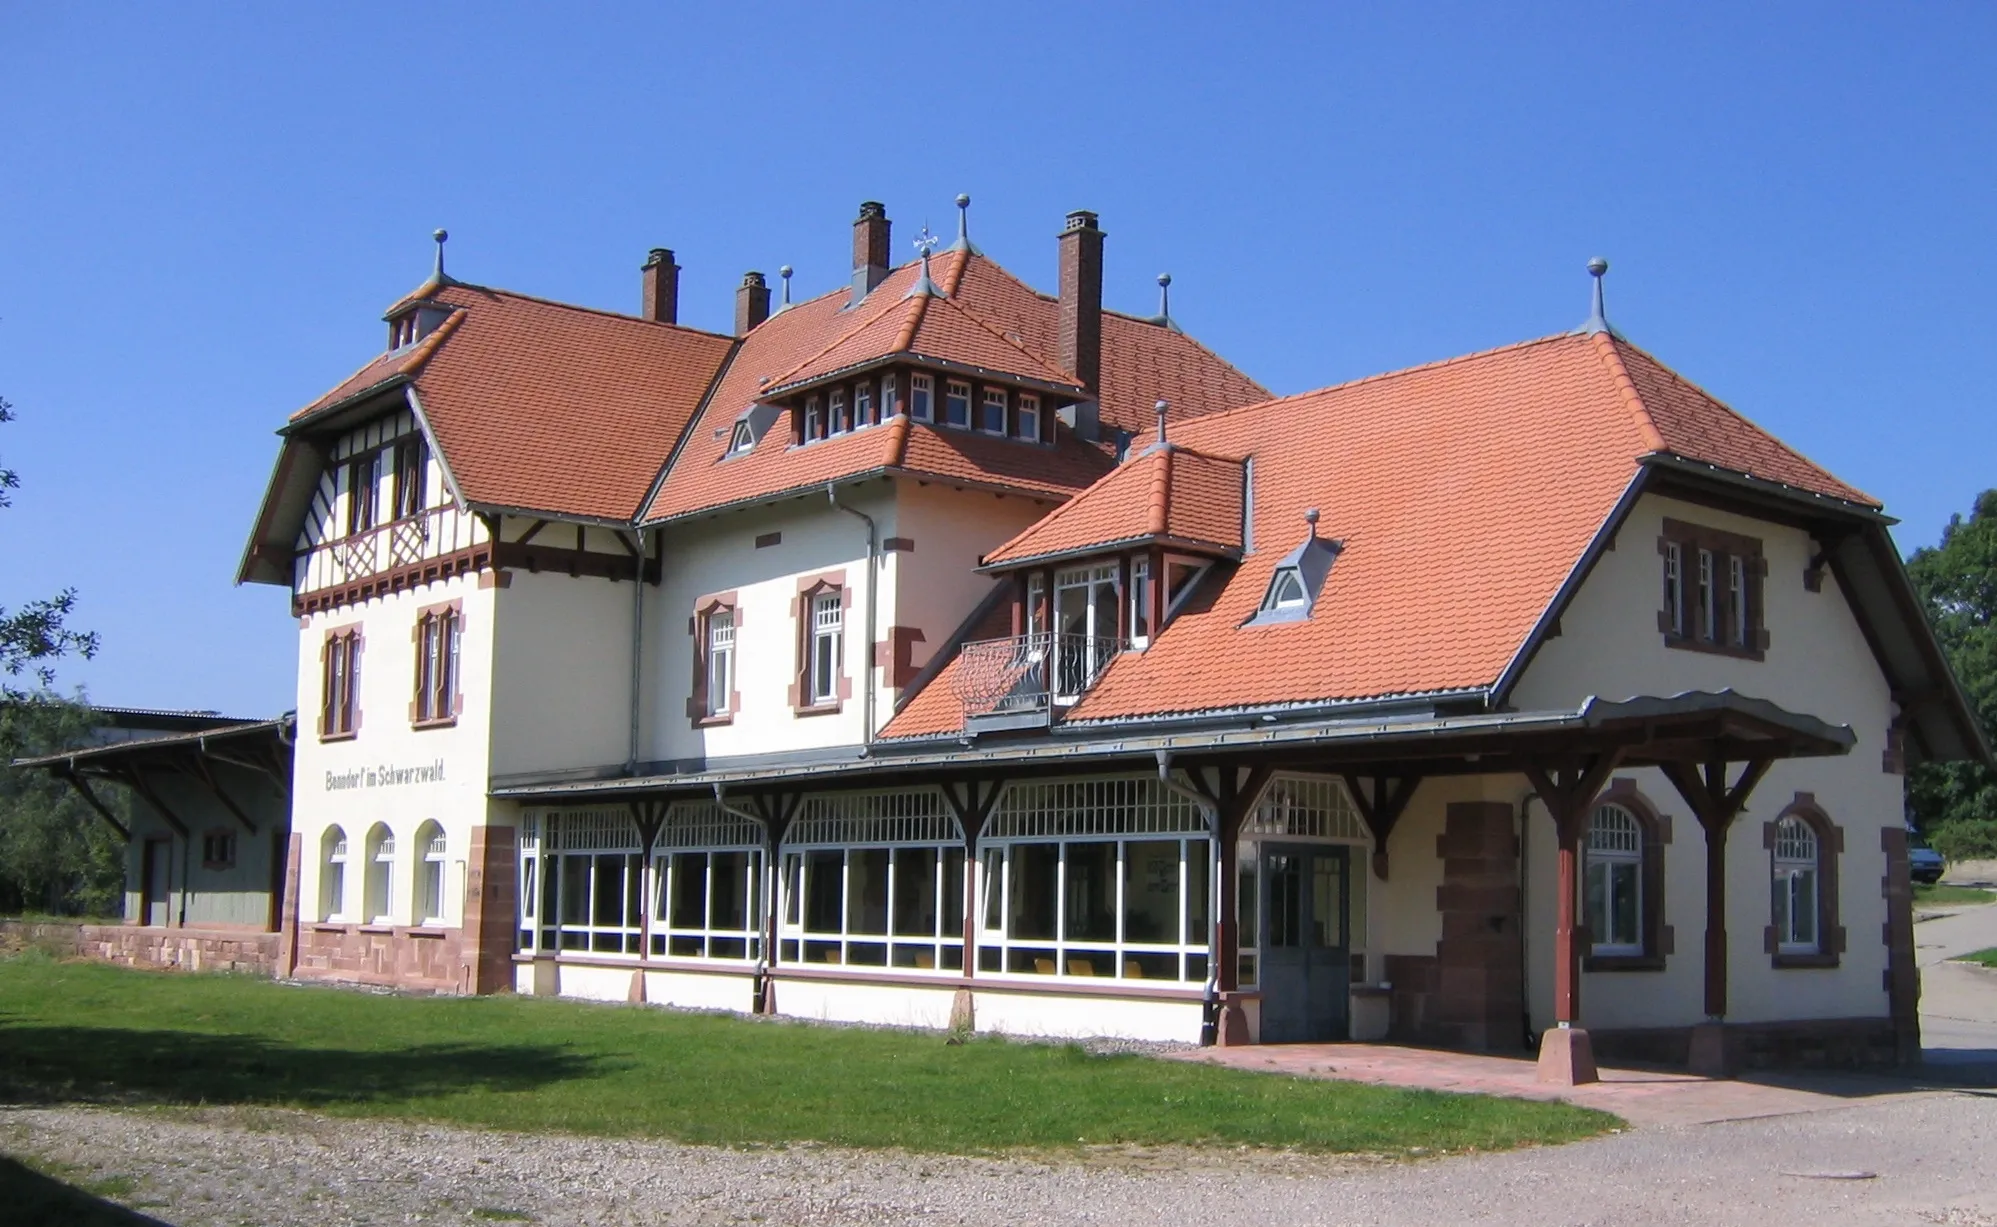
(1020, 681)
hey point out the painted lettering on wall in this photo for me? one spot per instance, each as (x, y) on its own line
(385, 776)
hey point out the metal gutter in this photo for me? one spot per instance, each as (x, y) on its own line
(1796, 495)
(1228, 553)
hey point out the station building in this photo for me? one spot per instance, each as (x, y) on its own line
(943, 652)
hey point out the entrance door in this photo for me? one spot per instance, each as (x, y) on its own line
(1305, 964)
(155, 879)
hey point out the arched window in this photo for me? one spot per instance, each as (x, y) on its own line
(1797, 888)
(431, 843)
(333, 874)
(1612, 883)
(380, 874)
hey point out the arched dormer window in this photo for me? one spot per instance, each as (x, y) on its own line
(1286, 591)
(1298, 579)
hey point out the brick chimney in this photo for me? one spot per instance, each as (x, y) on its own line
(1081, 259)
(870, 248)
(662, 287)
(752, 303)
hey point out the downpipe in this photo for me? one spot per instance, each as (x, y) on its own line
(637, 655)
(759, 987)
(873, 590)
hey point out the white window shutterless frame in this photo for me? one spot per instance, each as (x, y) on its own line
(1084, 627)
(828, 617)
(1612, 882)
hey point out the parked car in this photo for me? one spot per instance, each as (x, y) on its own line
(1924, 864)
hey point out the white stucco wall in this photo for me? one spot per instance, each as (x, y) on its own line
(935, 584)
(1817, 662)
(346, 781)
(562, 672)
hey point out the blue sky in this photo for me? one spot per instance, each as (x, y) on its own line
(204, 209)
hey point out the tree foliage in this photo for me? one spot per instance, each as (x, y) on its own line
(1955, 804)
(56, 854)
(35, 634)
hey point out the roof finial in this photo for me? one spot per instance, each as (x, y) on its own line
(1164, 317)
(925, 243)
(1598, 316)
(1310, 518)
(785, 272)
(442, 236)
(964, 243)
(1163, 406)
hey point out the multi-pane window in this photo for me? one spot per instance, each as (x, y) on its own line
(333, 874)
(828, 618)
(863, 404)
(707, 885)
(1140, 600)
(412, 464)
(1029, 416)
(814, 419)
(874, 880)
(430, 841)
(836, 416)
(380, 875)
(957, 403)
(339, 714)
(582, 883)
(1612, 882)
(218, 849)
(1796, 888)
(890, 396)
(991, 414)
(1105, 878)
(922, 398)
(1712, 590)
(718, 664)
(437, 638)
(363, 488)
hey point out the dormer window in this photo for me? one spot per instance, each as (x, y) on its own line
(991, 418)
(1297, 580)
(415, 323)
(814, 420)
(1029, 417)
(838, 421)
(922, 398)
(863, 404)
(1286, 591)
(890, 397)
(957, 404)
(742, 440)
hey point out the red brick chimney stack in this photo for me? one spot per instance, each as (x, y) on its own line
(752, 303)
(1081, 262)
(871, 259)
(662, 287)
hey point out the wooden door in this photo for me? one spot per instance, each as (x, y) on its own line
(1306, 968)
(156, 882)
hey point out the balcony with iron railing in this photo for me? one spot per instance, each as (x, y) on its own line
(1023, 682)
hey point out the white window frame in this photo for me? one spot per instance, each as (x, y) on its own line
(1029, 416)
(994, 397)
(1798, 858)
(334, 858)
(429, 909)
(1674, 587)
(863, 404)
(704, 830)
(914, 822)
(378, 895)
(1140, 603)
(836, 421)
(719, 660)
(814, 420)
(1709, 606)
(1610, 844)
(950, 396)
(1118, 811)
(828, 636)
(743, 438)
(594, 838)
(1287, 590)
(890, 401)
(922, 397)
(1737, 600)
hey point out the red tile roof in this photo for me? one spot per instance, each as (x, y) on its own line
(1165, 494)
(547, 407)
(1463, 493)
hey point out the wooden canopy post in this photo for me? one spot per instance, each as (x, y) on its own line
(1716, 805)
(648, 815)
(1381, 808)
(1233, 792)
(972, 802)
(1566, 1056)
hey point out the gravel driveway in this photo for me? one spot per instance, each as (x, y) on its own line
(1929, 1159)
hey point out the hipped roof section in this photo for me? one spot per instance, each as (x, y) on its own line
(1464, 493)
(1170, 495)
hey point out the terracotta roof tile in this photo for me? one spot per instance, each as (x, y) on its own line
(1165, 493)
(549, 407)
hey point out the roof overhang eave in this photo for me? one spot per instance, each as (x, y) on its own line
(1632, 725)
(1211, 549)
(1795, 496)
(1059, 388)
(328, 417)
(138, 746)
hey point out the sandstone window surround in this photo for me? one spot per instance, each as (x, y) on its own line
(819, 614)
(1803, 845)
(715, 627)
(1622, 883)
(1712, 591)
(340, 683)
(437, 636)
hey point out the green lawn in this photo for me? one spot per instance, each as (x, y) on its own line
(1982, 958)
(1940, 895)
(79, 1032)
